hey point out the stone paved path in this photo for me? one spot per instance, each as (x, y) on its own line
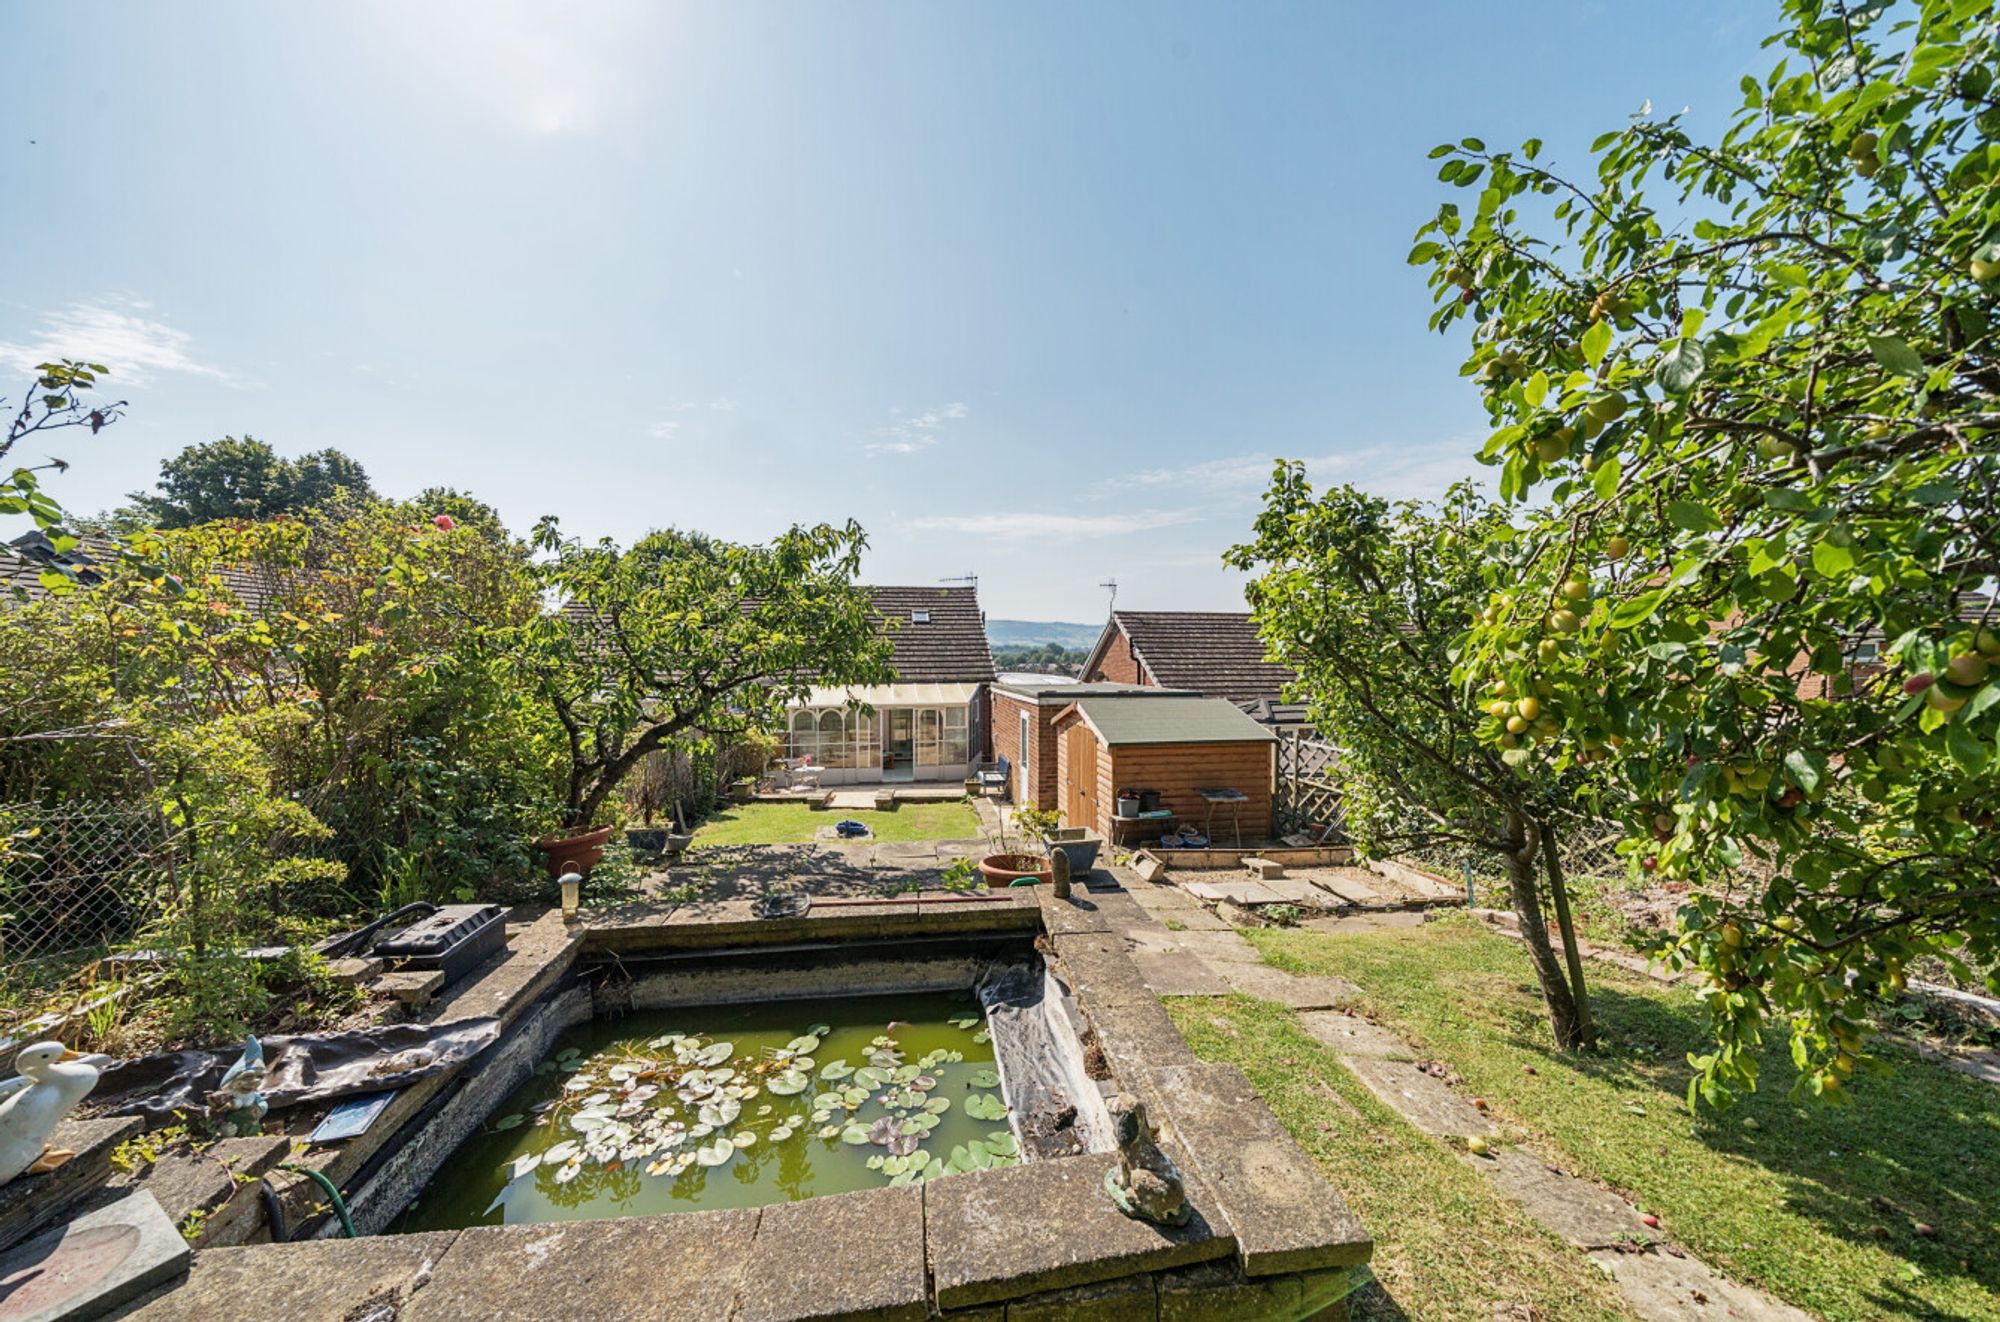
(1183, 949)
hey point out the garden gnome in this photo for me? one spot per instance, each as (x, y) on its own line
(1059, 873)
(52, 1081)
(238, 1105)
(1145, 1183)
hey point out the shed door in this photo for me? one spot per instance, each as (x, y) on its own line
(1080, 801)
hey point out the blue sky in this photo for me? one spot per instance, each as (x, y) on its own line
(1032, 290)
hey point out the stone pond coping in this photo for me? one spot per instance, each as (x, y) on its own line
(1028, 1242)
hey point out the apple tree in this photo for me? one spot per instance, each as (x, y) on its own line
(1366, 602)
(1746, 393)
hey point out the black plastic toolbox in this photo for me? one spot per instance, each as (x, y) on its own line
(457, 939)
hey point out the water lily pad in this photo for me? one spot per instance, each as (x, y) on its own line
(558, 1153)
(721, 1111)
(923, 1083)
(982, 1036)
(830, 1131)
(788, 1083)
(717, 1052)
(883, 1132)
(902, 1145)
(803, 1046)
(854, 1135)
(1003, 1144)
(714, 1154)
(965, 1021)
(568, 1173)
(985, 1106)
(818, 1030)
(854, 1097)
(744, 1139)
(937, 1105)
(781, 1133)
(835, 1069)
(985, 1079)
(870, 1077)
(905, 1073)
(506, 1122)
(522, 1165)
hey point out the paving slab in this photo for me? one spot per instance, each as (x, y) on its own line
(1351, 1035)
(1194, 918)
(1423, 1100)
(34, 1203)
(1236, 892)
(854, 1256)
(206, 1181)
(1367, 922)
(1588, 1216)
(1098, 969)
(413, 987)
(1049, 1225)
(1177, 975)
(1283, 1213)
(1218, 947)
(98, 1262)
(1351, 889)
(1663, 1288)
(1310, 991)
(1136, 1035)
(1110, 911)
(1299, 890)
(313, 1280)
(685, 1267)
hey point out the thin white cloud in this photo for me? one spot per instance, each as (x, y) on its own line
(910, 433)
(1415, 471)
(1057, 526)
(117, 333)
(663, 430)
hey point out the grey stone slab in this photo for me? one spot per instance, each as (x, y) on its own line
(1218, 947)
(1083, 911)
(1348, 888)
(1135, 1036)
(1008, 1234)
(1212, 1290)
(1295, 991)
(1421, 1099)
(1098, 969)
(1191, 919)
(1588, 1216)
(1284, 1214)
(1351, 1035)
(313, 1280)
(1367, 922)
(1664, 1288)
(854, 1256)
(31, 1204)
(188, 1181)
(413, 987)
(94, 1264)
(680, 1268)
(1177, 975)
(1298, 890)
(1236, 891)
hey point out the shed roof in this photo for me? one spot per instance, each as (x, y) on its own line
(1217, 653)
(1171, 719)
(1064, 694)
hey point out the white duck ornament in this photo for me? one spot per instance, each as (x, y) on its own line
(53, 1080)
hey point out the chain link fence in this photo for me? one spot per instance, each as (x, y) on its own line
(75, 879)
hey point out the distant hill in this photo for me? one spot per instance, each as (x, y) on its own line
(1034, 633)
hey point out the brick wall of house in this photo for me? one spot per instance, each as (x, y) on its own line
(1041, 777)
(1118, 666)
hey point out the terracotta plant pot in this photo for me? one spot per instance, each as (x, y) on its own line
(564, 853)
(1001, 870)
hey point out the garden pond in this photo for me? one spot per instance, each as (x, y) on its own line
(733, 1106)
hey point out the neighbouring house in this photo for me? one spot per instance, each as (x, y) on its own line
(1217, 654)
(1170, 748)
(1024, 715)
(931, 723)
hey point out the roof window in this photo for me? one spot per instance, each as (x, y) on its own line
(920, 617)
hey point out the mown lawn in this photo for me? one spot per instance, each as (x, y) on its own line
(1447, 1247)
(1820, 1205)
(794, 824)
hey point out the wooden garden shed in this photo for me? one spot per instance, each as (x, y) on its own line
(1177, 747)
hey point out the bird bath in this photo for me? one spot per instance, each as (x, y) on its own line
(733, 1106)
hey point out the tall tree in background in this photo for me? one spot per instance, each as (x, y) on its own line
(1368, 604)
(242, 479)
(1760, 430)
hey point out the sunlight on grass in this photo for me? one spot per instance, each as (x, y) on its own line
(795, 823)
(1819, 1205)
(1447, 1246)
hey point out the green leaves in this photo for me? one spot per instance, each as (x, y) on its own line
(1893, 353)
(1596, 341)
(1680, 366)
(1693, 517)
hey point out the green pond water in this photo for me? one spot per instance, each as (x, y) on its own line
(732, 1106)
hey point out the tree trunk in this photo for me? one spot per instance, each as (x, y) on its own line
(1572, 956)
(1556, 993)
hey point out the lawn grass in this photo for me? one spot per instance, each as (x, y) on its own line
(1817, 1204)
(1447, 1246)
(794, 823)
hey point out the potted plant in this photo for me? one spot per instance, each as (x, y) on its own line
(647, 794)
(1079, 843)
(1005, 866)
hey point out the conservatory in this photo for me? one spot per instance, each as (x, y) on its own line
(887, 733)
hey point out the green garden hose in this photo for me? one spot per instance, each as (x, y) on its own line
(332, 1192)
